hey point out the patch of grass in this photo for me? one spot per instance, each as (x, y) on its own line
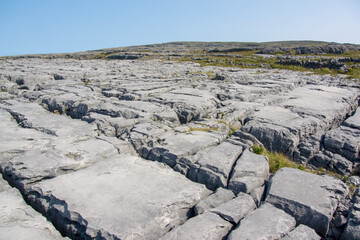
(280, 160)
(232, 130)
(208, 73)
(258, 149)
(277, 160)
(354, 73)
(249, 59)
(222, 122)
(191, 129)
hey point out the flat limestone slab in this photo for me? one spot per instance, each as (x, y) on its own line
(205, 226)
(220, 196)
(311, 199)
(235, 209)
(31, 154)
(302, 232)
(124, 196)
(19, 221)
(266, 222)
(221, 158)
(183, 144)
(354, 120)
(32, 115)
(250, 172)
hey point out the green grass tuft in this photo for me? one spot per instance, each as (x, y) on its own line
(191, 129)
(258, 149)
(280, 160)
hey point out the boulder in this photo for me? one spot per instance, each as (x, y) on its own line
(344, 141)
(236, 209)
(310, 199)
(221, 195)
(354, 120)
(302, 232)
(250, 172)
(352, 229)
(218, 161)
(332, 161)
(266, 222)
(205, 226)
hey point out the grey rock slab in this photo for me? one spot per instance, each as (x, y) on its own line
(331, 103)
(354, 180)
(124, 196)
(266, 222)
(111, 126)
(258, 194)
(250, 171)
(183, 144)
(28, 154)
(306, 111)
(32, 115)
(16, 140)
(302, 232)
(311, 199)
(352, 229)
(160, 112)
(219, 161)
(279, 128)
(189, 103)
(344, 141)
(235, 110)
(205, 226)
(19, 221)
(236, 209)
(34, 165)
(332, 161)
(354, 120)
(221, 158)
(221, 195)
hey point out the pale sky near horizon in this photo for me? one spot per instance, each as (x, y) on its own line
(59, 26)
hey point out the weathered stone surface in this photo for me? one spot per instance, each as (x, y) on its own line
(220, 196)
(124, 196)
(354, 180)
(266, 222)
(19, 221)
(306, 110)
(310, 198)
(218, 161)
(250, 171)
(302, 232)
(58, 135)
(332, 161)
(236, 209)
(258, 194)
(205, 226)
(180, 145)
(353, 121)
(352, 229)
(189, 103)
(344, 141)
(39, 150)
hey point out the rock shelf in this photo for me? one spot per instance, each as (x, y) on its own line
(150, 149)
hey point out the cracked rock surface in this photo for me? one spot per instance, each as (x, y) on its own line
(150, 149)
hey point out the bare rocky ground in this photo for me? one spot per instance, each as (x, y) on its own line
(150, 149)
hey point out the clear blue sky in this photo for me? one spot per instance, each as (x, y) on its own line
(53, 26)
